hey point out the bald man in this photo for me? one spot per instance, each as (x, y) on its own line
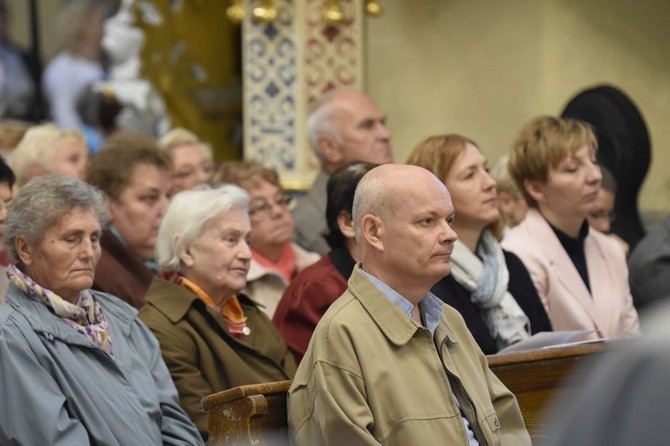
(389, 363)
(344, 126)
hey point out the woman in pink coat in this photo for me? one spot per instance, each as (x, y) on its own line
(580, 274)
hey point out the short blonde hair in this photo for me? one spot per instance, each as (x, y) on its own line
(178, 137)
(542, 144)
(36, 149)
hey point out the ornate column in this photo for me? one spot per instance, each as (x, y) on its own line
(287, 63)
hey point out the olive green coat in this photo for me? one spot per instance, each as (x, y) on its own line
(202, 356)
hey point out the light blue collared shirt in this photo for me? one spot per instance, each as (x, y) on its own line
(430, 306)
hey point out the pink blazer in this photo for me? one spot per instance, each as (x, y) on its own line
(608, 308)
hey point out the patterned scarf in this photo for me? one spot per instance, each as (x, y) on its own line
(487, 281)
(232, 312)
(85, 315)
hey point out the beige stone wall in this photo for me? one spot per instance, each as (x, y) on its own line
(483, 68)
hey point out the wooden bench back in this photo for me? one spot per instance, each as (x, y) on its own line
(256, 414)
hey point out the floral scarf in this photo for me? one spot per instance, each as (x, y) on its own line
(85, 315)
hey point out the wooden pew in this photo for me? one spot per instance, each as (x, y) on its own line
(248, 415)
(534, 376)
(256, 414)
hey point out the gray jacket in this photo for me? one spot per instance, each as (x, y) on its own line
(310, 217)
(58, 388)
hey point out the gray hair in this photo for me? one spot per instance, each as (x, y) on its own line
(324, 119)
(187, 218)
(43, 201)
(371, 197)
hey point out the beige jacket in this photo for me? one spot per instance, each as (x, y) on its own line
(371, 376)
(266, 286)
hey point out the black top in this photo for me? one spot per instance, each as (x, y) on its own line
(574, 247)
(520, 287)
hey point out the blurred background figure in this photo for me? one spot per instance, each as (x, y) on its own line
(7, 191)
(11, 132)
(276, 259)
(580, 274)
(512, 205)
(649, 265)
(79, 361)
(135, 175)
(212, 337)
(18, 95)
(192, 160)
(601, 215)
(489, 286)
(47, 149)
(313, 290)
(98, 108)
(80, 60)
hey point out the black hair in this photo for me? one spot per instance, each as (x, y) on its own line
(6, 174)
(340, 189)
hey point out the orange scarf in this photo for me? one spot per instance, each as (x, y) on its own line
(231, 312)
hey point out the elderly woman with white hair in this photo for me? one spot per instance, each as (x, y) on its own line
(213, 338)
(78, 366)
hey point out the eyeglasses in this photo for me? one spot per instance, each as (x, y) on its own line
(263, 207)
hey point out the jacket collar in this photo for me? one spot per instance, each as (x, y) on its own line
(174, 301)
(396, 326)
(170, 299)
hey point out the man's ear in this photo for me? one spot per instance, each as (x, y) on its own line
(330, 150)
(372, 228)
(23, 250)
(345, 224)
(535, 189)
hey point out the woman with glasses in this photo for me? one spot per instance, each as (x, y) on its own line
(275, 258)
